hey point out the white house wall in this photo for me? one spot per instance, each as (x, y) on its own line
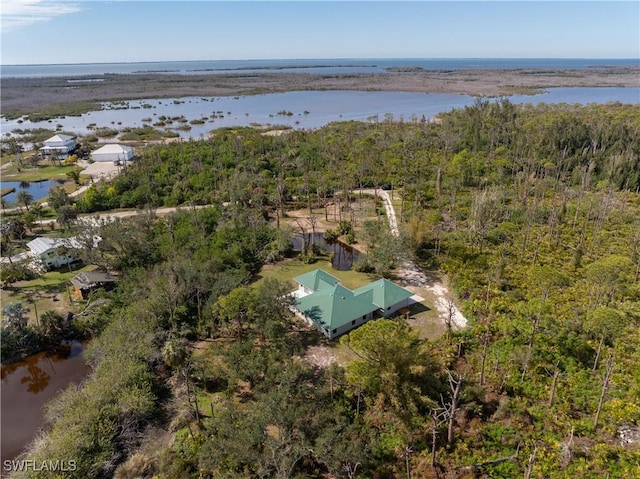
(393, 309)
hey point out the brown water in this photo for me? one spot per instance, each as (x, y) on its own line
(344, 256)
(27, 386)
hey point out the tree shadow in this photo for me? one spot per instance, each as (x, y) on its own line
(37, 379)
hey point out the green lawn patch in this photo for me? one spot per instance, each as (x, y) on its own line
(41, 173)
(290, 268)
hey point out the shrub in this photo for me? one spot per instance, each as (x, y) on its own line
(345, 227)
(330, 235)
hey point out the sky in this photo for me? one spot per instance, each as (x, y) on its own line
(91, 31)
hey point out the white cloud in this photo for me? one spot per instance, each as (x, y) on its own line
(21, 13)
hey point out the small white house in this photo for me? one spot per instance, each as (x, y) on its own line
(113, 153)
(61, 145)
(53, 253)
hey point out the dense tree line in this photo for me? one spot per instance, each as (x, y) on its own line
(489, 143)
(532, 211)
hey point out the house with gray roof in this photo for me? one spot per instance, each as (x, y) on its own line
(335, 310)
(113, 153)
(87, 282)
(61, 145)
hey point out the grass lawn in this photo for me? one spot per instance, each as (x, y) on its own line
(40, 173)
(51, 291)
(425, 318)
(290, 268)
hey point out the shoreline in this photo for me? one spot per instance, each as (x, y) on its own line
(27, 95)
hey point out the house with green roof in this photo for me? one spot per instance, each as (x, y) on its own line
(335, 310)
(388, 296)
(315, 280)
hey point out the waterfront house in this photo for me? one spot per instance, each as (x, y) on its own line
(335, 310)
(60, 145)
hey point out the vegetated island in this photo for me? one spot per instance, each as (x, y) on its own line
(21, 96)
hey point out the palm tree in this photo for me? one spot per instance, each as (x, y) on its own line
(24, 198)
(14, 314)
(65, 252)
(29, 220)
(36, 209)
(75, 175)
(66, 215)
(15, 148)
(58, 197)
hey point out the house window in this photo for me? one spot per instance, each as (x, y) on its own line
(334, 331)
(353, 322)
(364, 317)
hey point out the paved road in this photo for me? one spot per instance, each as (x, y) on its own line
(107, 216)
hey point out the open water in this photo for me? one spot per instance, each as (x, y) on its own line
(38, 189)
(297, 109)
(324, 66)
(28, 385)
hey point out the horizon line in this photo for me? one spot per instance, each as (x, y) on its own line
(319, 59)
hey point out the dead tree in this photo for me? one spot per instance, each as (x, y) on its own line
(303, 235)
(554, 384)
(455, 384)
(407, 463)
(605, 384)
(313, 221)
(530, 463)
(438, 418)
(449, 319)
(480, 465)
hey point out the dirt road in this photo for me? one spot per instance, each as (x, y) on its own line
(411, 275)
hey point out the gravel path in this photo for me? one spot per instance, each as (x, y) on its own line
(411, 274)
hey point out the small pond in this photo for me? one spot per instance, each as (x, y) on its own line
(38, 189)
(28, 385)
(344, 256)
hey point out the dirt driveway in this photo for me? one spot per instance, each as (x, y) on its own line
(100, 170)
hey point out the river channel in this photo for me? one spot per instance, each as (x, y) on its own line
(28, 385)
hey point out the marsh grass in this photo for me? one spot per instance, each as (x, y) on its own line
(57, 110)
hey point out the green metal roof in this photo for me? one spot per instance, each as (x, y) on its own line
(334, 307)
(317, 280)
(384, 293)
